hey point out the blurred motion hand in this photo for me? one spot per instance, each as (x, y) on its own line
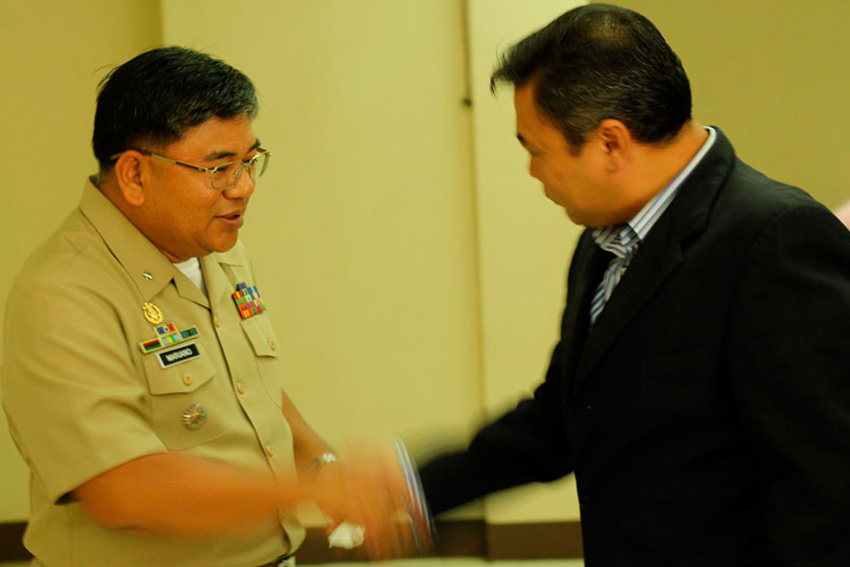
(368, 488)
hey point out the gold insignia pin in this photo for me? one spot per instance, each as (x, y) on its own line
(153, 314)
(194, 417)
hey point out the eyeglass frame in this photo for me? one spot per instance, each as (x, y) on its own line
(244, 164)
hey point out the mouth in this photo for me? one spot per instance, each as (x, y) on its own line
(232, 219)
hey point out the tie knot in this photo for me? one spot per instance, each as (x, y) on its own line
(621, 241)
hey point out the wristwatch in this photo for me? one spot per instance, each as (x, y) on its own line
(322, 460)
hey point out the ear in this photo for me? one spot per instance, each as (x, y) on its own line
(130, 172)
(616, 141)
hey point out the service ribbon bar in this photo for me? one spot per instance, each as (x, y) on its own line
(167, 335)
(248, 301)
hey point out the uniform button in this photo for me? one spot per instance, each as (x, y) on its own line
(584, 501)
(187, 379)
(240, 387)
(272, 345)
(269, 451)
(217, 322)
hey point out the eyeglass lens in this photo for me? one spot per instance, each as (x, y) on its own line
(227, 175)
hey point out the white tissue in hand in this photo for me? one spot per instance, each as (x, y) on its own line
(346, 536)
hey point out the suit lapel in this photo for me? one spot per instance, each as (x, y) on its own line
(652, 265)
(659, 256)
(590, 264)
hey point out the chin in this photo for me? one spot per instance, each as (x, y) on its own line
(223, 245)
(226, 247)
(588, 221)
(573, 215)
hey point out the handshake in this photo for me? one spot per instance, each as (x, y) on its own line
(373, 502)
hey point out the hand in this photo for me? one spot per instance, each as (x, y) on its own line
(369, 489)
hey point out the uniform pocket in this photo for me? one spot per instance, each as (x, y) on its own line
(266, 347)
(261, 335)
(184, 403)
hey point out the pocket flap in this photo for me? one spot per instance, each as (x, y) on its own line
(261, 335)
(183, 374)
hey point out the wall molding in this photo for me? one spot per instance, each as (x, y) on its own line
(550, 540)
(456, 538)
(11, 546)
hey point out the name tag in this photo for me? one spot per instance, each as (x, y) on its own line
(177, 355)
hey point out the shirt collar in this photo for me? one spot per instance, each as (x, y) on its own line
(637, 228)
(149, 269)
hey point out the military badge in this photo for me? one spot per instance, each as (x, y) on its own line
(194, 417)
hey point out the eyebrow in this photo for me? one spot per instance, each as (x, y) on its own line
(217, 155)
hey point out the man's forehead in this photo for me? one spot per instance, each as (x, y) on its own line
(218, 137)
(533, 129)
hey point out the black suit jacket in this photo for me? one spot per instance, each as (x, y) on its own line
(706, 414)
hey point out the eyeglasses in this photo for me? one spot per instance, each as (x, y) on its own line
(224, 175)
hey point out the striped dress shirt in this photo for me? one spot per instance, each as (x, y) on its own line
(623, 240)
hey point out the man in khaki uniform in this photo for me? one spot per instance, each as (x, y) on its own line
(141, 377)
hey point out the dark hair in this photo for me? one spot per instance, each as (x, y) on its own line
(155, 97)
(597, 62)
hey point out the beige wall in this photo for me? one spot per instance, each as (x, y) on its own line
(525, 242)
(52, 56)
(775, 76)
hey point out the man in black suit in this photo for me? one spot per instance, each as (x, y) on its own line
(700, 390)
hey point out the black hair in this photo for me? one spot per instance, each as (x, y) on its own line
(155, 97)
(597, 62)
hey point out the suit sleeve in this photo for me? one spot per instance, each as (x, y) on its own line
(529, 443)
(790, 363)
(525, 445)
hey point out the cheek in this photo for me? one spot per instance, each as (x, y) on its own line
(558, 180)
(543, 172)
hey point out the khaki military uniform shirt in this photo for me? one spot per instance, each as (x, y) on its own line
(82, 396)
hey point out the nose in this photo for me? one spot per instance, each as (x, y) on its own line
(243, 188)
(532, 169)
